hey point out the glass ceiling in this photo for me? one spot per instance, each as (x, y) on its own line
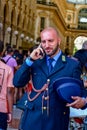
(77, 1)
(79, 42)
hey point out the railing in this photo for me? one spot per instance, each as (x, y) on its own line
(46, 3)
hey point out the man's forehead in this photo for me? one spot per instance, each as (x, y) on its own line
(48, 33)
(47, 36)
(49, 30)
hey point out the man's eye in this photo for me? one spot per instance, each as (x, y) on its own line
(43, 41)
(51, 40)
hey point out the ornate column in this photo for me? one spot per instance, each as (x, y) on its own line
(1, 27)
(16, 35)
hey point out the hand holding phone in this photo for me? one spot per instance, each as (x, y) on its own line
(42, 53)
(37, 53)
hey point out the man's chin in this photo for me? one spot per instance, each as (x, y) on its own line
(49, 54)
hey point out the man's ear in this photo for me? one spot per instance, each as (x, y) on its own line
(1, 53)
(59, 41)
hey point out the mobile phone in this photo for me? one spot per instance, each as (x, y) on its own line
(42, 53)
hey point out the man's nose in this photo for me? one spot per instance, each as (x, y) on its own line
(47, 44)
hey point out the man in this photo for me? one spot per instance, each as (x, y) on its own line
(10, 60)
(45, 110)
(6, 93)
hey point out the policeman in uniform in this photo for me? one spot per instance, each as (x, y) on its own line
(45, 110)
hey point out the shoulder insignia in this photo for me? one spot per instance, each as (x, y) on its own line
(63, 58)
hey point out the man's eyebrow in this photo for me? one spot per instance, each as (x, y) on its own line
(50, 40)
(43, 40)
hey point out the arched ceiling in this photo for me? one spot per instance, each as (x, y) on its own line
(77, 1)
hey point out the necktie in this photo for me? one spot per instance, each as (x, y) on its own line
(50, 64)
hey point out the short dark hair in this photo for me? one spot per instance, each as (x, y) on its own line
(81, 55)
(9, 49)
(84, 46)
(1, 46)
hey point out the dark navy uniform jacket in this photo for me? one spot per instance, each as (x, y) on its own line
(58, 118)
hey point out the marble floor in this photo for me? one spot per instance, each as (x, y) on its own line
(15, 121)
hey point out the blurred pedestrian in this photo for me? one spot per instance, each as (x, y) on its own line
(6, 92)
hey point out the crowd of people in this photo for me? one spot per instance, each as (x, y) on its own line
(81, 55)
(14, 58)
(44, 65)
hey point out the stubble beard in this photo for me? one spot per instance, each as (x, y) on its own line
(54, 52)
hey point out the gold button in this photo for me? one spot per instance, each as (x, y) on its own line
(46, 98)
(44, 108)
(64, 113)
(46, 89)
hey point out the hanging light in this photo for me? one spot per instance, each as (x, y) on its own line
(31, 40)
(16, 32)
(27, 38)
(22, 36)
(35, 41)
(1, 25)
(9, 29)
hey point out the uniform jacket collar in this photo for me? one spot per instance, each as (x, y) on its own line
(59, 64)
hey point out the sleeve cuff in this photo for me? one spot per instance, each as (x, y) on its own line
(29, 62)
(85, 106)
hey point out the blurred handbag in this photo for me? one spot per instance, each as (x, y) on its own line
(26, 100)
(22, 103)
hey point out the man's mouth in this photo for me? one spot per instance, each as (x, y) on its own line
(48, 50)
